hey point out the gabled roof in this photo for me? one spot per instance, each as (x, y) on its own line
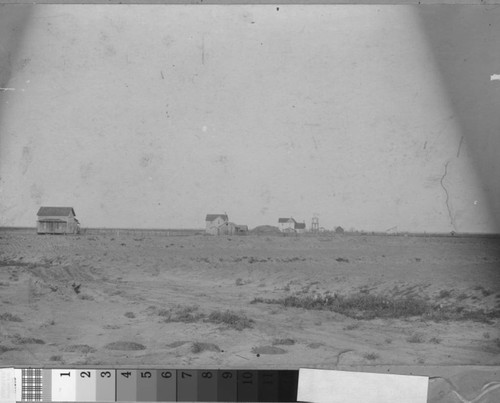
(286, 220)
(55, 211)
(51, 220)
(300, 225)
(211, 217)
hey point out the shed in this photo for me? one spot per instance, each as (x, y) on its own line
(57, 220)
(300, 227)
(241, 230)
(227, 228)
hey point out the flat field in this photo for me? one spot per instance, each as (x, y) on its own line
(250, 301)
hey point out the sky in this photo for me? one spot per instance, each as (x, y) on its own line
(154, 116)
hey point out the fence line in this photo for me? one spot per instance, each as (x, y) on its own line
(140, 232)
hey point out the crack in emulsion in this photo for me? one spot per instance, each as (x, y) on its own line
(447, 195)
(489, 387)
(339, 355)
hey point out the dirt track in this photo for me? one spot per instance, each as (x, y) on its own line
(131, 300)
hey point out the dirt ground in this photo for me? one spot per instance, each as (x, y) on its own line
(133, 300)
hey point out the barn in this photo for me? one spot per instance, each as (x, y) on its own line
(57, 220)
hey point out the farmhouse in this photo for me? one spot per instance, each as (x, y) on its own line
(57, 220)
(286, 224)
(214, 222)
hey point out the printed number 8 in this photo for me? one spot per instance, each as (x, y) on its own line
(206, 375)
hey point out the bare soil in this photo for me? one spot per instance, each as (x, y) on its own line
(158, 300)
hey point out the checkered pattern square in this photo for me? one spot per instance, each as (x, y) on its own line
(31, 385)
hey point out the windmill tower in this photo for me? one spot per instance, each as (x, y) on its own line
(315, 225)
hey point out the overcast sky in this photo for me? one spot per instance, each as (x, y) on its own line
(154, 116)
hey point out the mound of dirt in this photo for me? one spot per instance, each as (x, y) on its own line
(265, 230)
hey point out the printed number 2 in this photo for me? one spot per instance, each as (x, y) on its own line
(85, 374)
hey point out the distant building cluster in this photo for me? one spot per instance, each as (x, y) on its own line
(289, 225)
(218, 224)
(62, 220)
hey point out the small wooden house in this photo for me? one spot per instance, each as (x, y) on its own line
(57, 220)
(214, 221)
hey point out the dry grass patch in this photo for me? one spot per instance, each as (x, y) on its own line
(368, 306)
(268, 350)
(435, 340)
(234, 320)
(124, 346)
(18, 339)
(79, 348)
(352, 326)
(416, 338)
(371, 356)
(176, 344)
(283, 342)
(185, 314)
(10, 318)
(200, 347)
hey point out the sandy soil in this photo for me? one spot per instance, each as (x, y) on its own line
(146, 301)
